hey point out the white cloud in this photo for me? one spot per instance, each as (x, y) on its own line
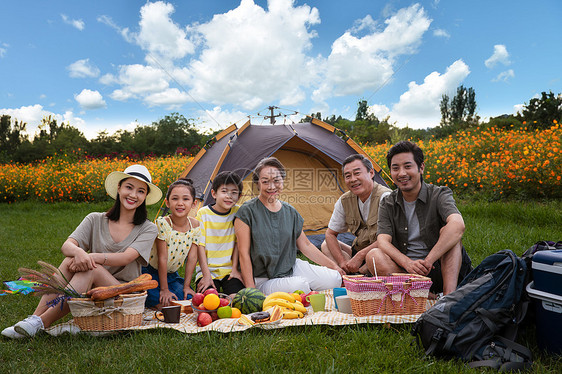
(219, 119)
(125, 33)
(108, 79)
(419, 106)
(500, 56)
(83, 69)
(441, 33)
(518, 108)
(357, 64)
(89, 99)
(3, 49)
(366, 23)
(138, 81)
(159, 35)
(172, 98)
(379, 111)
(77, 23)
(504, 76)
(32, 115)
(252, 56)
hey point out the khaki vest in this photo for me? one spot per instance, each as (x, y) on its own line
(365, 232)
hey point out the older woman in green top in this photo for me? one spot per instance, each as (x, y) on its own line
(269, 233)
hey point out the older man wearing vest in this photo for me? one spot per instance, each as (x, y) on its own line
(356, 211)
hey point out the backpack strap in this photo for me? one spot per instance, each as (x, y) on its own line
(494, 363)
(435, 339)
(505, 361)
(488, 318)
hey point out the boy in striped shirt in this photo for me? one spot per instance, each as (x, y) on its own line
(218, 246)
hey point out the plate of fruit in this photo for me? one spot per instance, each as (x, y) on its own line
(210, 306)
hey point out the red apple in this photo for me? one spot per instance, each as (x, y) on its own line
(214, 316)
(303, 297)
(197, 299)
(203, 319)
(209, 291)
(224, 302)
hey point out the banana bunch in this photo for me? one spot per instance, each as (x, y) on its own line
(290, 307)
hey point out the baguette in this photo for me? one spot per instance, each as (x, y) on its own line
(141, 278)
(122, 289)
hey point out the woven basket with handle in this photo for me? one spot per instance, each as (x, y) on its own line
(397, 294)
(116, 313)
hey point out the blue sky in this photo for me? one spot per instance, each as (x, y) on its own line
(110, 65)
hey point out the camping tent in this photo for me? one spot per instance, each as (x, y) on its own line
(312, 154)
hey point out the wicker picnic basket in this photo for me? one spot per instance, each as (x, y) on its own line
(397, 294)
(115, 313)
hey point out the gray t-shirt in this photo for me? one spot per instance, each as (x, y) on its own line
(273, 246)
(93, 236)
(416, 246)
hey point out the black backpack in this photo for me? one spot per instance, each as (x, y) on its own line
(478, 321)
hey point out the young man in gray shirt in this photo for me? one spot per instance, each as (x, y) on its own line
(419, 227)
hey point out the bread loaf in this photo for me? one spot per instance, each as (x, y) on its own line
(141, 278)
(122, 289)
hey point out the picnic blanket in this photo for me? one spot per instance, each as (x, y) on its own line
(188, 322)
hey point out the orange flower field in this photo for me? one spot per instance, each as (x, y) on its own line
(492, 163)
(487, 163)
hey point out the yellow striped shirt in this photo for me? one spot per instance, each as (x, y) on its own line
(219, 239)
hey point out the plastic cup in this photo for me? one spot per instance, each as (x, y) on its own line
(339, 291)
(171, 314)
(318, 302)
(344, 303)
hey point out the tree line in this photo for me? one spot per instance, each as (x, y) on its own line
(174, 134)
(457, 113)
(171, 134)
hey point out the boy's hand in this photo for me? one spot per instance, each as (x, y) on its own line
(235, 274)
(188, 291)
(204, 283)
(166, 296)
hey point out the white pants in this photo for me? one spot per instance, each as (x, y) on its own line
(306, 277)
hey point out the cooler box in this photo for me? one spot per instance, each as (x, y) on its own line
(548, 319)
(547, 271)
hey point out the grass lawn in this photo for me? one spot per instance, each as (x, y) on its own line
(32, 231)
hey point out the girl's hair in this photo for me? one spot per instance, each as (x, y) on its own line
(268, 161)
(140, 213)
(182, 182)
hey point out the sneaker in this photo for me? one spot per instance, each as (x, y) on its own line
(11, 333)
(29, 326)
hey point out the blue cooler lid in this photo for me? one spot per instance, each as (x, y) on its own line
(550, 261)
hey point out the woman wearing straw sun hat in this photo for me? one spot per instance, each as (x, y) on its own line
(107, 248)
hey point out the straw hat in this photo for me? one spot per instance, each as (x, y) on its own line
(139, 172)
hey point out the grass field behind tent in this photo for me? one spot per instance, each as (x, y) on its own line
(32, 231)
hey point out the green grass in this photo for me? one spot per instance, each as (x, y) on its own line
(31, 231)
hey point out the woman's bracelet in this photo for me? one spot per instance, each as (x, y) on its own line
(104, 259)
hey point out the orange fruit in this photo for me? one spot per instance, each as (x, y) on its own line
(236, 313)
(211, 301)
